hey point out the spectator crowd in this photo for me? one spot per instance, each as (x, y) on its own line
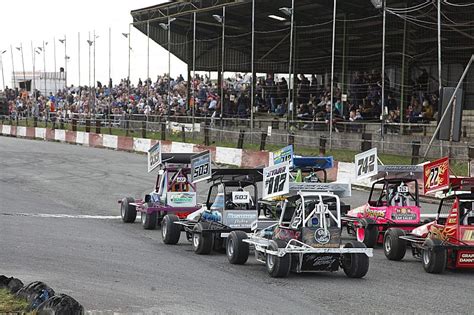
(168, 96)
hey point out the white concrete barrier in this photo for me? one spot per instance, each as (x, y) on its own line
(21, 131)
(229, 156)
(141, 144)
(82, 138)
(40, 133)
(60, 135)
(110, 141)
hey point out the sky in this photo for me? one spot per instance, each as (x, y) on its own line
(30, 22)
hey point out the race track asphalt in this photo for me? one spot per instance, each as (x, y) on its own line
(110, 266)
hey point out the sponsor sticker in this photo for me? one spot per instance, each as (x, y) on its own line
(322, 236)
(181, 199)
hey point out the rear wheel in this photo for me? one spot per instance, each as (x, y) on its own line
(170, 231)
(433, 256)
(367, 233)
(394, 247)
(128, 212)
(148, 220)
(202, 241)
(237, 250)
(278, 267)
(355, 265)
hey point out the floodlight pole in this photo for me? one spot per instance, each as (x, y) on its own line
(440, 83)
(79, 58)
(252, 92)
(54, 53)
(13, 66)
(448, 106)
(222, 69)
(332, 72)
(23, 63)
(110, 56)
(193, 110)
(33, 57)
(148, 59)
(129, 50)
(44, 67)
(65, 61)
(169, 69)
(290, 63)
(383, 72)
(3, 75)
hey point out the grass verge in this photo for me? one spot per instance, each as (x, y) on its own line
(10, 304)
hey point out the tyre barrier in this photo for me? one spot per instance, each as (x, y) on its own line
(41, 298)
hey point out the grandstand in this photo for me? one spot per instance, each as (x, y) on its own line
(411, 40)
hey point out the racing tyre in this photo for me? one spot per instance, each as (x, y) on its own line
(148, 220)
(170, 231)
(128, 212)
(394, 247)
(202, 242)
(278, 267)
(355, 265)
(433, 256)
(237, 250)
(367, 232)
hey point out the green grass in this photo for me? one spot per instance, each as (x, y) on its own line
(9, 303)
(457, 167)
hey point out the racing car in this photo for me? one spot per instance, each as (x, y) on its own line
(307, 236)
(393, 202)
(446, 242)
(231, 205)
(311, 169)
(173, 193)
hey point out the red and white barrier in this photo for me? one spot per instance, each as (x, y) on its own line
(222, 155)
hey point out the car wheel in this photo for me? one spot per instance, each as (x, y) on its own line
(278, 267)
(170, 231)
(355, 265)
(394, 247)
(367, 233)
(237, 250)
(128, 212)
(148, 220)
(433, 256)
(202, 241)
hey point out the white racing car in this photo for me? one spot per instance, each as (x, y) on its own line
(307, 236)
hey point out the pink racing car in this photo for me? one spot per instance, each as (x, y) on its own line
(393, 203)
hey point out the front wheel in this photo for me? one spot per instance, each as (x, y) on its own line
(433, 256)
(394, 247)
(278, 267)
(148, 220)
(237, 250)
(202, 241)
(170, 231)
(367, 232)
(128, 212)
(355, 265)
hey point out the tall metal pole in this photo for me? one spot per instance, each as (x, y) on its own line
(222, 66)
(332, 71)
(129, 50)
(383, 73)
(44, 69)
(55, 69)
(290, 63)
(440, 82)
(3, 76)
(252, 87)
(13, 67)
(89, 42)
(169, 68)
(33, 57)
(65, 61)
(402, 89)
(79, 58)
(95, 82)
(110, 55)
(23, 64)
(148, 59)
(193, 111)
